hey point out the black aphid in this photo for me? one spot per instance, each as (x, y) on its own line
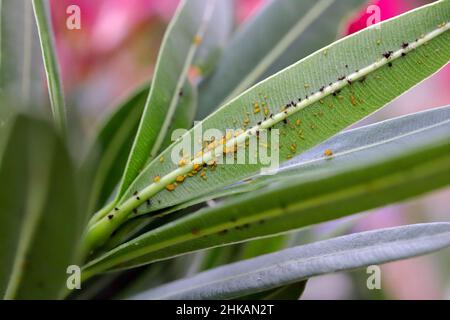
(135, 211)
(403, 54)
(110, 216)
(116, 209)
(387, 54)
(299, 99)
(341, 78)
(180, 93)
(135, 193)
(271, 115)
(390, 64)
(405, 45)
(149, 203)
(346, 65)
(362, 79)
(322, 88)
(285, 121)
(349, 81)
(259, 122)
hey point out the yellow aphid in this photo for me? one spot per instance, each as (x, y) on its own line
(212, 145)
(353, 100)
(229, 135)
(298, 122)
(229, 149)
(161, 159)
(246, 121)
(307, 85)
(197, 39)
(157, 179)
(199, 154)
(328, 153)
(180, 178)
(197, 167)
(203, 175)
(182, 162)
(256, 108)
(170, 187)
(266, 111)
(293, 147)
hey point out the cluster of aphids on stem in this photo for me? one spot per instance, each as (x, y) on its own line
(268, 115)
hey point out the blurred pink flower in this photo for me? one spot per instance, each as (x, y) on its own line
(117, 45)
(246, 8)
(105, 25)
(388, 9)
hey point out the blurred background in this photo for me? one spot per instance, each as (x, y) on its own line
(115, 50)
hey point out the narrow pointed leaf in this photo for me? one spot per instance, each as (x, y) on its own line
(41, 218)
(42, 14)
(299, 263)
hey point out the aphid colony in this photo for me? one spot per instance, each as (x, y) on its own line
(229, 144)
